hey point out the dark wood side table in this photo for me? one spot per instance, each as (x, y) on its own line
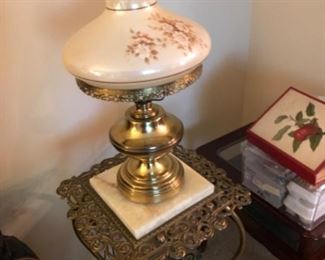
(270, 226)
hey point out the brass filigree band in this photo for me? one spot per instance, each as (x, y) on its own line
(143, 94)
(107, 238)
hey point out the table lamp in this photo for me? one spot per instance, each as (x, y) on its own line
(136, 51)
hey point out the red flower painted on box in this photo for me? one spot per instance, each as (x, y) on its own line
(306, 128)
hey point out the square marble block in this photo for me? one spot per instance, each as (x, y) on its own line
(141, 219)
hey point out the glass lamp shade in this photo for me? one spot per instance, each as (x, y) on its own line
(136, 44)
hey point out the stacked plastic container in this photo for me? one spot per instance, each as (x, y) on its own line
(306, 202)
(282, 188)
(264, 176)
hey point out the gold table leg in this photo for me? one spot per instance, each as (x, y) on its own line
(242, 234)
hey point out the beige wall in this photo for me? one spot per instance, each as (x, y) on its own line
(50, 131)
(287, 48)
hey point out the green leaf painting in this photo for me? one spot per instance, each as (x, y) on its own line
(304, 128)
(299, 116)
(310, 110)
(280, 119)
(278, 136)
(315, 140)
(295, 145)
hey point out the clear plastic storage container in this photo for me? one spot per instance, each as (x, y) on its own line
(264, 176)
(306, 203)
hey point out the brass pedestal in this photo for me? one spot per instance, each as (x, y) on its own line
(144, 182)
(146, 135)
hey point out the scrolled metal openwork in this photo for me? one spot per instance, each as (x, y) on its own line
(107, 238)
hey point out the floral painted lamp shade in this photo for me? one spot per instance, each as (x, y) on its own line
(136, 44)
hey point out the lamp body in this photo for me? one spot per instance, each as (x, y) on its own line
(137, 51)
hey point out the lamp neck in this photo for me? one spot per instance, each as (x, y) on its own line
(144, 110)
(126, 5)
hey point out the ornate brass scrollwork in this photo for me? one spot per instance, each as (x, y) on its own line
(107, 238)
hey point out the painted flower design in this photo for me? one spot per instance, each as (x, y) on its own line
(173, 32)
(182, 27)
(143, 46)
(302, 128)
(181, 38)
(176, 32)
(143, 51)
(167, 28)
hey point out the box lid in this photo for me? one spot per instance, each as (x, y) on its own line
(292, 131)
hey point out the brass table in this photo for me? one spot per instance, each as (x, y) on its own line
(100, 230)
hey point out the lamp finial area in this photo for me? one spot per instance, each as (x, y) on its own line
(125, 5)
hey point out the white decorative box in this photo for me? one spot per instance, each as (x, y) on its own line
(292, 131)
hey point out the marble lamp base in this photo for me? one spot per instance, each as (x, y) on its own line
(141, 219)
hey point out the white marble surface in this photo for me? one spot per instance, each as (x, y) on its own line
(141, 219)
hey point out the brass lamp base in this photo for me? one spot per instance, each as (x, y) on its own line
(147, 134)
(150, 182)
